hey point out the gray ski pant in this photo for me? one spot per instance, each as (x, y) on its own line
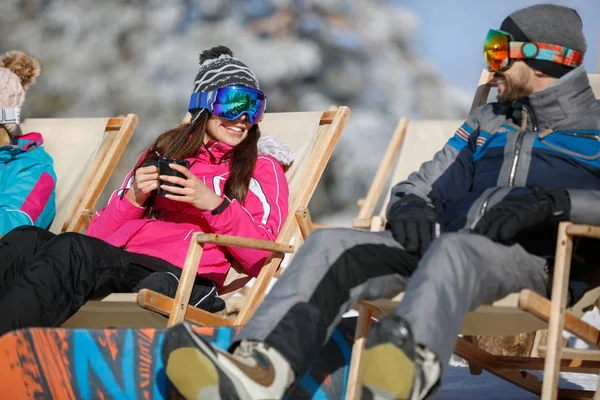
(337, 267)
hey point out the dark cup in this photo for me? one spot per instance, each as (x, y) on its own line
(164, 169)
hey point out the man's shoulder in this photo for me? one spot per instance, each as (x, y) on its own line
(584, 119)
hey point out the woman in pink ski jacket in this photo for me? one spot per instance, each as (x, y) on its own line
(213, 174)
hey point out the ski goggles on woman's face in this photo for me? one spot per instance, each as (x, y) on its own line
(500, 49)
(232, 102)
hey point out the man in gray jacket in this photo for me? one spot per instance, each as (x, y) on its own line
(474, 224)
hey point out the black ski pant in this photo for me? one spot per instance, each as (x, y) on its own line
(45, 278)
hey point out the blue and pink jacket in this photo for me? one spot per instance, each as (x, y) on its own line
(27, 184)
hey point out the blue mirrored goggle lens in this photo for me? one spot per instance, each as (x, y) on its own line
(234, 101)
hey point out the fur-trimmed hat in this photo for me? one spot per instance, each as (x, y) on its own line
(17, 72)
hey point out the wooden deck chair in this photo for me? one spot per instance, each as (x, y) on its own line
(417, 142)
(312, 136)
(517, 313)
(85, 153)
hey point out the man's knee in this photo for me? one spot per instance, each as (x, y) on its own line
(459, 247)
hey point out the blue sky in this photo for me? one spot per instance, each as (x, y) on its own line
(451, 32)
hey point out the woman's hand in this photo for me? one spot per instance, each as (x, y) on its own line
(144, 182)
(193, 192)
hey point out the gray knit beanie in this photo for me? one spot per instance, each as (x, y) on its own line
(219, 68)
(551, 24)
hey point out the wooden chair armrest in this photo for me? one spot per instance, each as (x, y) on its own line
(361, 223)
(589, 231)
(87, 216)
(247, 243)
(322, 226)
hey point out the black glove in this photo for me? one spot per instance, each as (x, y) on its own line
(503, 222)
(412, 223)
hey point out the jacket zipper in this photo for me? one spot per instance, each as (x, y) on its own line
(511, 176)
(518, 145)
(485, 204)
(513, 167)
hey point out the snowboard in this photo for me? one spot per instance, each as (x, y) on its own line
(43, 363)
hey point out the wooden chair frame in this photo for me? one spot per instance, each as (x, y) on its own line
(179, 309)
(552, 358)
(117, 135)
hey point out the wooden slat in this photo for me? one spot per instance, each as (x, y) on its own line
(258, 291)
(361, 223)
(328, 117)
(507, 368)
(162, 304)
(474, 355)
(354, 386)
(574, 354)
(312, 175)
(483, 89)
(72, 219)
(186, 282)
(584, 230)
(556, 323)
(383, 171)
(114, 124)
(541, 307)
(247, 243)
(87, 216)
(377, 224)
(102, 172)
(304, 222)
(488, 360)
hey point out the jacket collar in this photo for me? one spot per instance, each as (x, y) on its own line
(562, 100)
(214, 151)
(26, 142)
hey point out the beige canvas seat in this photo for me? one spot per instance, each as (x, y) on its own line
(312, 136)
(85, 153)
(517, 313)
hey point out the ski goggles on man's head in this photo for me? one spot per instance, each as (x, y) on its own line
(231, 103)
(500, 49)
(10, 116)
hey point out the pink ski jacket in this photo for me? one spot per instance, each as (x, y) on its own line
(167, 235)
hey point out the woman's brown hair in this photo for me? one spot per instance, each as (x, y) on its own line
(242, 158)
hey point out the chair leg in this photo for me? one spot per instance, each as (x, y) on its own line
(473, 369)
(556, 323)
(354, 387)
(186, 283)
(481, 358)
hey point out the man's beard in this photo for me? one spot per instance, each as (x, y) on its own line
(513, 90)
